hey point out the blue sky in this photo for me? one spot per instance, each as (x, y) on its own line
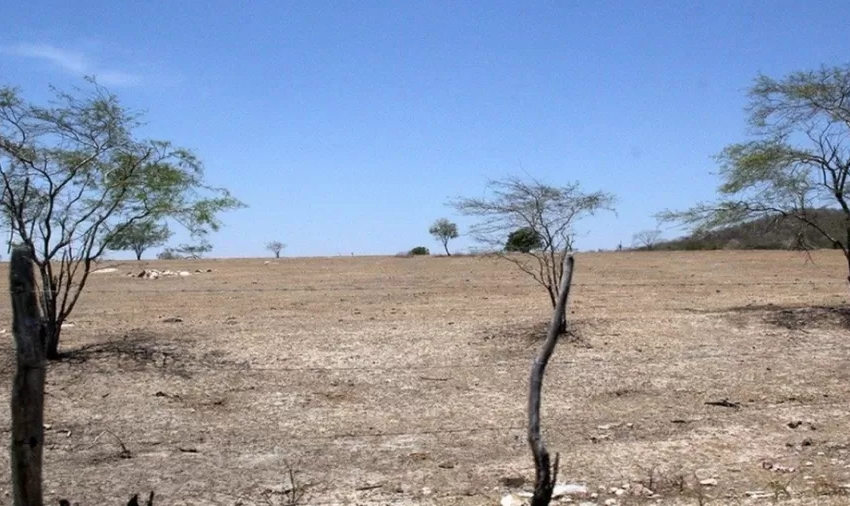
(346, 126)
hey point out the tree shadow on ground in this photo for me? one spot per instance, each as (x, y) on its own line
(138, 348)
(800, 317)
(532, 334)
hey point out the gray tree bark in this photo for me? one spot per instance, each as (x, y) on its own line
(545, 476)
(27, 399)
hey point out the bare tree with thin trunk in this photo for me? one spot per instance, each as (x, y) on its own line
(647, 239)
(275, 247)
(549, 212)
(546, 473)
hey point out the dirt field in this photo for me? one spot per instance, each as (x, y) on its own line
(403, 381)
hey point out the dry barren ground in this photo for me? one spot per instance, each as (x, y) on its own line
(403, 381)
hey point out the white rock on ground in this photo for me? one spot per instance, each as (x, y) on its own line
(569, 489)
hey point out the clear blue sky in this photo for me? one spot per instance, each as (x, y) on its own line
(347, 125)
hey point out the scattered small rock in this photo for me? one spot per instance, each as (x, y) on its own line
(794, 425)
(708, 482)
(569, 489)
(446, 465)
(777, 468)
(172, 320)
(105, 270)
(759, 494)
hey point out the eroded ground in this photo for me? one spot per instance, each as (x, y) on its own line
(393, 380)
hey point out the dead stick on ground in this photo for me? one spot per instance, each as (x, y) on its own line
(27, 401)
(545, 477)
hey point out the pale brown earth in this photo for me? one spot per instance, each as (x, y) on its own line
(403, 381)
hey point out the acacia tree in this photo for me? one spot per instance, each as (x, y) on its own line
(647, 238)
(140, 236)
(550, 212)
(797, 163)
(275, 247)
(74, 177)
(444, 230)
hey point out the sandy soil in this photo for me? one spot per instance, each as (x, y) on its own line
(403, 381)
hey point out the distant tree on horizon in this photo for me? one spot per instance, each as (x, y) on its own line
(523, 240)
(444, 230)
(275, 247)
(647, 239)
(139, 237)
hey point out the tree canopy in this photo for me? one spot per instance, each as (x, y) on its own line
(139, 237)
(797, 162)
(550, 212)
(444, 230)
(75, 177)
(524, 240)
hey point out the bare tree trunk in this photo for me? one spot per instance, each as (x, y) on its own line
(27, 396)
(446, 247)
(52, 329)
(545, 477)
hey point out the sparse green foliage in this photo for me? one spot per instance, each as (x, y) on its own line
(193, 251)
(139, 236)
(523, 240)
(549, 211)
(444, 230)
(419, 250)
(74, 177)
(798, 162)
(275, 247)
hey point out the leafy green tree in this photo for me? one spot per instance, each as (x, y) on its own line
(140, 236)
(74, 176)
(797, 162)
(523, 240)
(550, 212)
(444, 230)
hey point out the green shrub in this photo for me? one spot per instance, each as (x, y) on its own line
(524, 240)
(420, 250)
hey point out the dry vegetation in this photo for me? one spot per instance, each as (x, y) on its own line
(394, 380)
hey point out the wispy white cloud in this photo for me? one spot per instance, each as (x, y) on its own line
(74, 62)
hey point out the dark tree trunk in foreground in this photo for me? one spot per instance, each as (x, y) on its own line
(545, 475)
(27, 396)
